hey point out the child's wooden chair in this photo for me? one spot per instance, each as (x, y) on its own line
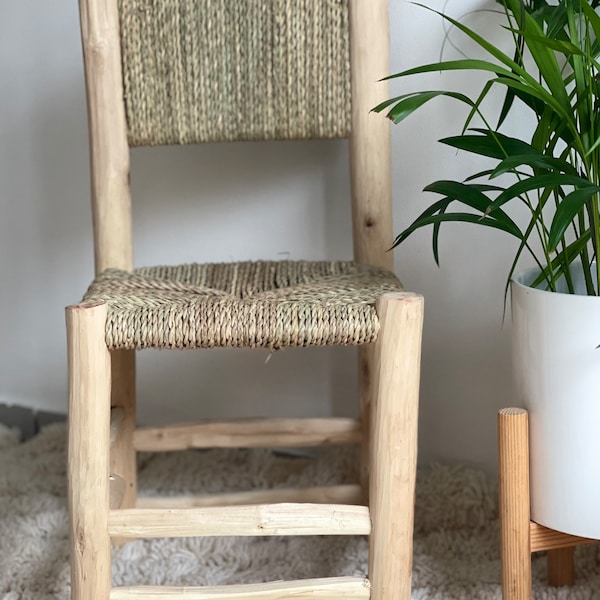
(191, 71)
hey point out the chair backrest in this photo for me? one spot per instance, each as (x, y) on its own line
(190, 71)
(195, 71)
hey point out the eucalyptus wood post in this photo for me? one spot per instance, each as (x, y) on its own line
(123, 466)
(111, 205)
(370, 163)
(513, 456)
(367, 393)
(370, 168)
(109, 151)
(88, 454)
(394, 445)
(123, 455)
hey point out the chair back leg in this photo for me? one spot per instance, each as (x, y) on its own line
(123, 469)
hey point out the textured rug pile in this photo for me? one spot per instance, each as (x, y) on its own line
(456, 533)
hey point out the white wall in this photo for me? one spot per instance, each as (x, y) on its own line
(182, 198)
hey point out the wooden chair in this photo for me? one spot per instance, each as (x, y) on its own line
(170, 72)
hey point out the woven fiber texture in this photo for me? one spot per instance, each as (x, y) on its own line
(213, 70)
(245, 305)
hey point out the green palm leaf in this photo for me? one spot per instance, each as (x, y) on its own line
(491, 144)
(536, 161)
(407, 104)
(454, 218)
(540, 182)
(553, 70)
(567, 211)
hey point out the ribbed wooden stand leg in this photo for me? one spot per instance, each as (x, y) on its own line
(394, 445)
(89, 422)
(561, 566)
(513, 453)
(123, 419)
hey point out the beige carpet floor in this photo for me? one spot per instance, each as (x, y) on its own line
(456, 534)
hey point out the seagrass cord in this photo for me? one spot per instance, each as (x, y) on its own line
(194, 71)
(247, 304)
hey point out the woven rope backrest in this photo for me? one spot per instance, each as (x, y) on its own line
(222, 70)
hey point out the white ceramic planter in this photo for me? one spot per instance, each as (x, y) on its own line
(557, 375)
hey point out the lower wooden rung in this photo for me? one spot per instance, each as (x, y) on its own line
(246, 520)
(310, 589)
(249, 433)
(333, 494)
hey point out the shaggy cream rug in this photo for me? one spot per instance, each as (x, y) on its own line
(456, 535)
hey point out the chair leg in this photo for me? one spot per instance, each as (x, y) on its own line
(123, 420)
(394, 416)
(88, 455)
(366, 387)
(513, 467)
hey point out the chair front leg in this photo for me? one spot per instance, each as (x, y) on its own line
(88, 453)
(394, 417)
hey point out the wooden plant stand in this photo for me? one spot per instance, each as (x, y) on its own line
(520, 536)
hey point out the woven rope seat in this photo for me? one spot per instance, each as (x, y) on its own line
(263, 304)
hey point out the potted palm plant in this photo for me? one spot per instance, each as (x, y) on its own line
(553, 69)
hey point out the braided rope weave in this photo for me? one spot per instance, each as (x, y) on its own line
(249, 304)
(195, 72)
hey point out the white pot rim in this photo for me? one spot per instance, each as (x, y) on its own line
(522, 280)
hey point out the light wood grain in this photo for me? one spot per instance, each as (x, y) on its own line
(370, 138)
(336, 494)
(366, 391)
(335, 588)
(255, 520)
(109, 152)
(561, 566)
(394, 445)
(249, 433)
(370, 169)
(122, 458)
(513, 457)
(543, 538)
(123, 467)
(89, 422)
